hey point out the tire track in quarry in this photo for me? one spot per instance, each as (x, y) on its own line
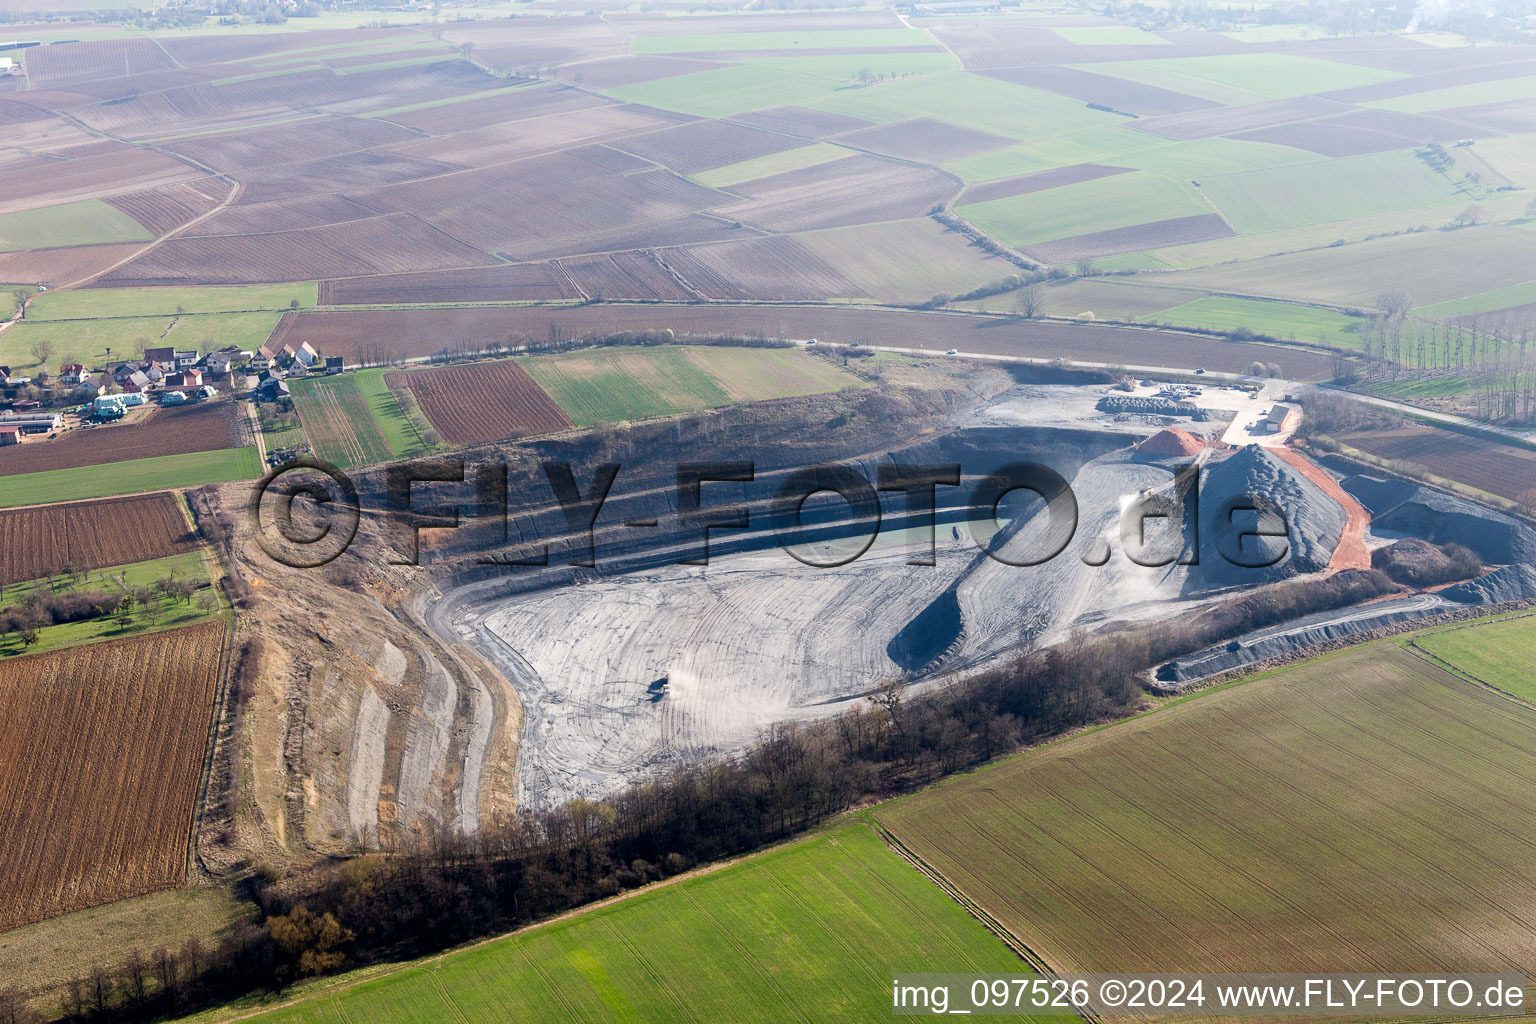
(1351, 552)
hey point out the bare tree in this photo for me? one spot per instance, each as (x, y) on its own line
(1468, 217)
(1031, 298)
(42, 351)
(1394, 305)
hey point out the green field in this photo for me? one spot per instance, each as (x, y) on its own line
(1109, 35)
(1281, 320)
(354, 419)
(1483, 302)
(1432, 266)
(1499, 653)
(612, 385)
(87, 341)
(165, 472)
(187, 566)
(720, 92)
(1332, 190)
(959, 97)
(773, 163)
(812, 931)
(116, 302)
(746, 42)
(906, 260)
(1361, 810)
(1121, 201)
(1245, 77)
(405, 442)
(88, 222)
(1472, 95)
(759, 374)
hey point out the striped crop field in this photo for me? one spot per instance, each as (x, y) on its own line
(1366, 811)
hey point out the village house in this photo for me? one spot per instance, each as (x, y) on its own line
(262, 360)
(333, 365)
(73, 373)
(191, 377)
(164, 357)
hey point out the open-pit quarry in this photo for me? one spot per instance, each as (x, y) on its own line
(639, 661)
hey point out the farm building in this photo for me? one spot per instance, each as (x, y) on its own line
(223, 359)
(33, 423)
(6, 378)
(189, 378)
(9, 435)
(271, 388)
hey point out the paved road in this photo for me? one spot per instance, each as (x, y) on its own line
(1526, 436)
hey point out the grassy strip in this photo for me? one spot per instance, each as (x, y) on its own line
(96, 303)
(165, 472)
(403, 437)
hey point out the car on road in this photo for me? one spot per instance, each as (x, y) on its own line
(1201, 370)
(953, 352)
(810, 343)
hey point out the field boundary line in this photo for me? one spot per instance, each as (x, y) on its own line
(1431, 658)
(992, 924)
(210, 746)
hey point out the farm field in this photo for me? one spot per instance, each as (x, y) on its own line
(103, 749)
(824, 921)
(95, 303)
(906, 260)
(1283, 197)
(158, 473)
(1124, 200)
(774, 163)
(1248, 77)
(612, 385)
(1342, 814)
(747, 41)
(480, 402)
(349, 419)
(87, 341)
(1438, 266)
(91, 535)
(178, 430)
(84, 223)
(1276, 319)
(759, 374)
(1499, 652)
(1483, 302)
(166, 614)
(1501, 469)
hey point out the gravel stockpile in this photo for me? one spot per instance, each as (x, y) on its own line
(1312, 522)
(1402, 507)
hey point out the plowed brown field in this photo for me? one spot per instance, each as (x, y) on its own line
(101, 748)
(204, 427)
(91, 535)
(482, 402)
